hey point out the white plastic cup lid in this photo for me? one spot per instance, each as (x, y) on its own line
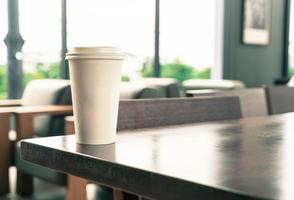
(113, 53)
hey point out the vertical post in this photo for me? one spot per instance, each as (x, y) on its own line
(14, 43)
(156, 53)
(285, 66)
(217, 70)
(64, 63)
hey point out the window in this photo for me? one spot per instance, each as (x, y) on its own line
(3, 50)
(40, 27)
(187, 35)
(187, 38)
(128, 24)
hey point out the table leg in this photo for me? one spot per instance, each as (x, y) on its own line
(117, 194)
(24, 184)
(4, 154)
(24, 130)
(76, 188)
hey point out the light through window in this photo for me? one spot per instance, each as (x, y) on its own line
(40, 27)
(3, 50)
(187, 38)
(128, 24)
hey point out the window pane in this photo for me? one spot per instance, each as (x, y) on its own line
(40, 27)
(187, 38)
(3, 50)
(128, 24)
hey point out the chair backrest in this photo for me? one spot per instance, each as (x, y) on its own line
(168, 87)
(47, 92)
(196, 84)
(280, 99)
(138, 91)
(134, 114)
(253, 101)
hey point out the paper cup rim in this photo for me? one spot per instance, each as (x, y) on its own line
(103, 52)
(94, 57)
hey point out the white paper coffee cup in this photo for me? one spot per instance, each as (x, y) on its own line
(95, 74)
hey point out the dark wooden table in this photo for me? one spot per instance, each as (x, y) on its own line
(243, 159)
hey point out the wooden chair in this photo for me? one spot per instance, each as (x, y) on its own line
(135, 114)
(33, 116)
(253, 101)
(33, 120)
(48, 98)
(280, 99)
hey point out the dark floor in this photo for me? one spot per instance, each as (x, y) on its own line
(46, 191)
(43, 190)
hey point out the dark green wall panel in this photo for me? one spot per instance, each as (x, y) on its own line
(255, 65)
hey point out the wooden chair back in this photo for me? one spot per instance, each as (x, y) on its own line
(253, 101)
(280, 99)
(134, 114)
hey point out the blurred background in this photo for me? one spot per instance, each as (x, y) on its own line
(184, 39)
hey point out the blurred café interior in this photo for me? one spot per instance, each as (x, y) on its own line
(205, 100)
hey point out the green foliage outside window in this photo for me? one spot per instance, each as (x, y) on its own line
(125, 78)
(177, 70)
(41, 72)
(3, 82)
(291, 71)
